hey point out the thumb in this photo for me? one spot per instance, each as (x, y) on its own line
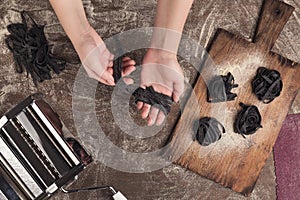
(106, 76)
(178, 89)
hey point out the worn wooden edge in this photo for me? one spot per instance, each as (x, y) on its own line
(273, 16)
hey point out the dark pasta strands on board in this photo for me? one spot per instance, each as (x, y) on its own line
(248, 120)
(31, 50)
(219, 89)
(209, 131)
(151, 97)
(267, 84)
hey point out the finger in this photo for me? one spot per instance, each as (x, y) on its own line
(128, 70)
(105, 82)
(108, 78)
(106, 54)
(111, 57)
(110, 63)
(178, 91)
(139, 105)
(160, 118)
(162, 89)
(175, 97)
(110, 70)
(126, 58)
(128, 81)
(91, 74)
(128, 63)
(145, 110)
(152, 115)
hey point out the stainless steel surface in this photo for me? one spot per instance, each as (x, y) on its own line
(16, 168)
(55, 133)
(2, 197)
(34, 157)
(3, 120)
(34, 135)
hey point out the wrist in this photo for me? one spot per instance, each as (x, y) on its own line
(160, 54)
(166, 40)
(79, 37)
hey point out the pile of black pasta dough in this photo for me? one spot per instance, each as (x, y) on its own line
(28, 43)
(266, 85)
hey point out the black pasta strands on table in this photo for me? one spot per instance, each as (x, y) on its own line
(248, 120)
(151, 97)
(267, 84)
(209, 131)
(219, 89)
(31, 50)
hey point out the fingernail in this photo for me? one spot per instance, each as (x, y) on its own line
(111, 82)
(144, 117)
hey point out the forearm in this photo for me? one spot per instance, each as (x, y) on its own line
(72, 17)
(170, 18)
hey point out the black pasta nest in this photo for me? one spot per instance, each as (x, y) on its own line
(31, 50)
(219, 89)
(267, 84)
(248, 120)
(151, 97)
(209, 131)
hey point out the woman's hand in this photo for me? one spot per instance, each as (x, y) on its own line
(98, 60)
(162, 71)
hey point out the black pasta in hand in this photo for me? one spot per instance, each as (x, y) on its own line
(117, 69)
(248, 120)
(151, 97)
(267, 84)
(31, 50)
(219, 89)
(209, 131)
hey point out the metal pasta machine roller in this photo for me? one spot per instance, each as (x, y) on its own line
(35, 158)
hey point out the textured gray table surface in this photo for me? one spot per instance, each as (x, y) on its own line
(113, 16)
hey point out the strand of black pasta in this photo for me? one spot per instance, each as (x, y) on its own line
(117, 69)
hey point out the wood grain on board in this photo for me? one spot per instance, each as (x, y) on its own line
(234, 161)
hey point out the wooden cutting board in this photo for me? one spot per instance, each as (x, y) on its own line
(234, 161)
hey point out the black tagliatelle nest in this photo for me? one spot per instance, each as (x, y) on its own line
(219, 89)
(267, 84)
(30, 50)
(248, 120)
(209, 131)
(151, 97)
